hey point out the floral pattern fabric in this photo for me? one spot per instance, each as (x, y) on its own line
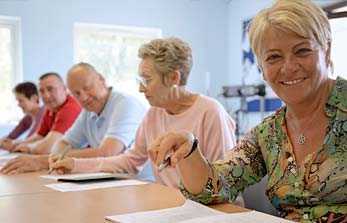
(314, 192)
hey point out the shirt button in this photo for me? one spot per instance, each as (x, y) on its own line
(305, 216)
(296, 184)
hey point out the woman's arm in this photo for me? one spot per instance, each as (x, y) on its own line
(223, 180)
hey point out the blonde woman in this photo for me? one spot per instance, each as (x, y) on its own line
(302, 147)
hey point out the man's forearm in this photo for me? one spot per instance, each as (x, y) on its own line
(45, 145)
(39, 147)
(87, 153)
(103, 151)
(31, 139)
(41, 161)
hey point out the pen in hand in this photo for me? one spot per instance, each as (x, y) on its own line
(166, 162)
(61, 157)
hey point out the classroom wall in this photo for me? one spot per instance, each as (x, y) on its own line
(47, 30)
(239, 10)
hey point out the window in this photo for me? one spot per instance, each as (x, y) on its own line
(112, 50)
(338, 48)
(10, 67)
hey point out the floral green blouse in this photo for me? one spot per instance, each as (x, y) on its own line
(315, 192)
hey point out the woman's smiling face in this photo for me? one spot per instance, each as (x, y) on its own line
(293, 66)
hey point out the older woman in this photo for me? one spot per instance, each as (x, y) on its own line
(164, 71)
(302, 147)
(27, 96)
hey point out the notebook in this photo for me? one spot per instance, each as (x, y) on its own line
(192, 212)
(85, 177)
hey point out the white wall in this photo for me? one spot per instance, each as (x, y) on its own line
(239, 10)
(48, 38)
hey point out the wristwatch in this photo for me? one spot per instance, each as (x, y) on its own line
(194, 146)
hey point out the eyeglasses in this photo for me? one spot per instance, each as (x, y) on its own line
(142, 81)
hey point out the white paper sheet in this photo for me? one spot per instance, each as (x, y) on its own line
(244, 217)
(189, 210)
(67, 187)
(75, 175)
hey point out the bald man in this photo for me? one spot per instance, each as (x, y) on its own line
(105, 127)
(108, 121)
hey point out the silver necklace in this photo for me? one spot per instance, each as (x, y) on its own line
(302, 138)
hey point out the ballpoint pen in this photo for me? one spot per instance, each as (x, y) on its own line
(61, 157)
(166, 162)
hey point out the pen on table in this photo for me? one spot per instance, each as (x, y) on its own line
(166, 162)
(62, 155)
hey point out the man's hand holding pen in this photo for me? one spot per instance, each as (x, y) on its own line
(59, 163)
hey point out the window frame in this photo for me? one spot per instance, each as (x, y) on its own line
(81, 29)
(14, 24)
(121, 30)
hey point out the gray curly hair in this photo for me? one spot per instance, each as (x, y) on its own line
(168, 55)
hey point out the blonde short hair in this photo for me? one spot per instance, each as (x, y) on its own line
(168, 55)
(302, 17)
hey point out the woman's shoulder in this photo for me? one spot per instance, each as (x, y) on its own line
(341, 86)
(271, 120)
(153, 113)
(338, 96)
(209, 103)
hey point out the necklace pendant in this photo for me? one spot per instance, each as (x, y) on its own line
(301, 139)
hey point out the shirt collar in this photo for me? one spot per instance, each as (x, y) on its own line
(52, 113)
(94, 115)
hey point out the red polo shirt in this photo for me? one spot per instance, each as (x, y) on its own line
(60, 120)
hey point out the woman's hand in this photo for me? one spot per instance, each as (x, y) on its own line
(194, 170)
(174, 144)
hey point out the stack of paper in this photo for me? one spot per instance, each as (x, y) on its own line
(192, 212)
(84, 181)
(244, 217)
(84, 176)
(67, 187)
